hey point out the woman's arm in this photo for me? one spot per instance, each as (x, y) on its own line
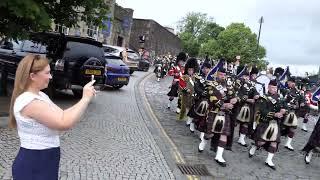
(56, 118)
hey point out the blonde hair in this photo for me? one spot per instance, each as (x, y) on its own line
(29, 64)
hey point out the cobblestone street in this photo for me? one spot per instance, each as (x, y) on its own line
(290, 165)
(112, 141)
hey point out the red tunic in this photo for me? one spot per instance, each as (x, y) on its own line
(176, 72)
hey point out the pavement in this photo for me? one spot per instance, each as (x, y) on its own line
(115, 139)
(290, 165)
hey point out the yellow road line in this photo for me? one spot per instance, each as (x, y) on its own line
(178, 157)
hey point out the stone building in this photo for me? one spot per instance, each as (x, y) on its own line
(117, 31)
(121, 26)
(158, 39)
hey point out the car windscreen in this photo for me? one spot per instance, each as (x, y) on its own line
(133, 55)
(78, 49)
(107, 49)
(34, 47)
(115, 61)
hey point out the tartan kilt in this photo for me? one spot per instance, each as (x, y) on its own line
(261, 128)
(200, 124)
(227, 124)
(302, 112)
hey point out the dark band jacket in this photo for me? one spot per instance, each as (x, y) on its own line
(269, 105)
(246, 90)
(292, 99)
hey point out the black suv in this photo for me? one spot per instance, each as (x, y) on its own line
(72, 60)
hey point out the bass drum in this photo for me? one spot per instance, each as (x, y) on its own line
(262, 81)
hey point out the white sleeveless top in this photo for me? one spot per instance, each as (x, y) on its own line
(34, 135)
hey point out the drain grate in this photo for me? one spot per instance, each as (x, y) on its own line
(196, 169)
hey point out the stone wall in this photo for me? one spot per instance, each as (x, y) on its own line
(157, 38)
(121, 26)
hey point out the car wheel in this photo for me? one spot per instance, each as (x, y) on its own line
(131, 71)
(117, 86)
(146, 69)
(77, 93)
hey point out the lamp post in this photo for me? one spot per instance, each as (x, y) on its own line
(261, 20)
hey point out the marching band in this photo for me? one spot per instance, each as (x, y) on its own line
(215, 100)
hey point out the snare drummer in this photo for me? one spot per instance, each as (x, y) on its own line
(267, 133)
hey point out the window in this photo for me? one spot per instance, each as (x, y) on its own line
(133, 55)
(114, 60)
(92, 31)
(82, 50)
(61, 29)
(10, 45)
(35, 47)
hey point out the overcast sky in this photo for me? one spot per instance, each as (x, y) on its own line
(290, 32)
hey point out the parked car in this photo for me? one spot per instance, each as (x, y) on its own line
(117, 73)
(72, 60)
(133, 57)
(143, 65)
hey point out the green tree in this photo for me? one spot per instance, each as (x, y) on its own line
(19, 17)
(210, 48)
(210, 31)
(189, 44)
(237, 39)
(196, 29)
(193, 23)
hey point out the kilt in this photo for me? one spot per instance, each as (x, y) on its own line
(174, 90)
(261, 128)
(303, 111)
(32, 164)
(226, 127)
(200, 124)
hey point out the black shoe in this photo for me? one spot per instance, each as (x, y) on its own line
(222, 164)
(187, 125)
(250, 155)
(304, 130)
(200, 151)
(191, 131)
(228, 148)
(289, 148)
(272, 167)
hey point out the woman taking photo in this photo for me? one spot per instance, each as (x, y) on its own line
(38, 120)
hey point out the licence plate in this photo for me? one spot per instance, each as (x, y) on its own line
(93, 72)
(122, 79)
